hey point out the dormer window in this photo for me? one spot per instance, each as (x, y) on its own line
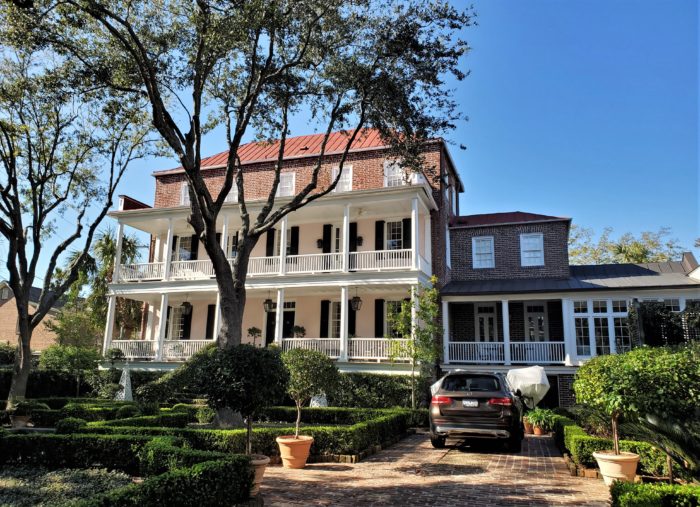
(184, 194)
(286, 185)
(532, 249)
(483, 253)
(345, 181)
(394, 174)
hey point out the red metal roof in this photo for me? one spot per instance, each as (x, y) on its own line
(510, 217)
(300, 146)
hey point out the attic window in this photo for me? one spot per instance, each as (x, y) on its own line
(5, 293)
(532, 249)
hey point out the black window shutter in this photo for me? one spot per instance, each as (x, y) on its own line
(327, 233)
(379, 235)
(173, 248)
(187, 325)
(211, 317)
(378, 318)
(406, 222)
(352, 318)
(353, 236)
(294, 240)
(167, 323)
(325, 310)
(270, 243)
(195, 247)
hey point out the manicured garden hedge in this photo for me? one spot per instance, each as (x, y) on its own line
(172, 419)
(368, 390)
(625, 494)
(43, 383)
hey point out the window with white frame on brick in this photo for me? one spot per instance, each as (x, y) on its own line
(345, 181)
(286, 185)
(394, 174)
(532, 249)
(184, 194)
(394, 235)
(483, 255)
(233, 193)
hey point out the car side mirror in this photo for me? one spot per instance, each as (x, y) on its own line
(518, 393)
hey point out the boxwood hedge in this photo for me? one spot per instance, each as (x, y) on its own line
(625, 494)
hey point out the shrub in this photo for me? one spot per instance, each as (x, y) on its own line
(371, 390)
(44, 384)
(7, 354)
(205, 414)
(127, 411)
(27, 407)
(69, 359)
(70, 425)
(625, 494)
(166, 419)
(542, 418)
(162, 454)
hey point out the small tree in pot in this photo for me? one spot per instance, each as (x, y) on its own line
(311, 373)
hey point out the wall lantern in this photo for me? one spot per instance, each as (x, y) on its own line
(356, 302)
(359, 241)
(268, 305)
(319, 243)
(186, 308)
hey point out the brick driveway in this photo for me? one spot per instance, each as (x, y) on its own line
(412, 473)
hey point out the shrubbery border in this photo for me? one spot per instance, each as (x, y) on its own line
(625, 494)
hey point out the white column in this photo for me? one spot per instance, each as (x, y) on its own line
(279, 316)
(611, 329)
(506, 330)
(591, 329)
(217, 316)
(224, 237)
(283, 246)
(167, 249)
(343, 324)
(414, 231)
(414, 318)
(428, 239)
(567, 310)
(445, 333)
(109, 327)
(162, 325)
(346, 238)
(118, 253)
(149, 321)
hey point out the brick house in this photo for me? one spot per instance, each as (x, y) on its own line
(509, 296)
(42, 337)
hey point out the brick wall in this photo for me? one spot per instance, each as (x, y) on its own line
(516, 311)
(41, 337)
(567, 398)
(461, 322)
(507, 251)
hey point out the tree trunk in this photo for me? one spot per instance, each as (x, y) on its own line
(249, 435)
(298, 423)
(616, 437)
(23, 364)
(413, 384)
(669, 466)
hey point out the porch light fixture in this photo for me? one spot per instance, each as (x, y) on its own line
(268, 304)
(359, 241)
(186, 308)
(356, 302)
(319, 243)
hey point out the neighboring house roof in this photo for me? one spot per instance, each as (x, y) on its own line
(507, 218)
(657, 275)
(34, 294)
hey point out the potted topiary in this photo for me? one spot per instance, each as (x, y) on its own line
(21, 412)
(605, 383)
(310, 374)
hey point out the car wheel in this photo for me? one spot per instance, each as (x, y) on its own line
(515, 443)
(438, 442)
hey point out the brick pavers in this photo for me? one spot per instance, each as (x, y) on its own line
(412, 473)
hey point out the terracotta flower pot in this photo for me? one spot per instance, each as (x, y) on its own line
(617, 467)
(528, 426)
(19, 421)
(259, 463)
(294, 451)
(537, 430)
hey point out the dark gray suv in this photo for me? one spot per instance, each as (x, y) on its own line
(476, 405)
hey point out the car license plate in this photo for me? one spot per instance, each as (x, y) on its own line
(470, 403)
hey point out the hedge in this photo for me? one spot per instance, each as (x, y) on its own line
(625, 494)
(171, 419)
(44, 383)
(371, 390)
(581, 446)
(336, 415)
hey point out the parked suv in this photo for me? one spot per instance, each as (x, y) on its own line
(476, 405)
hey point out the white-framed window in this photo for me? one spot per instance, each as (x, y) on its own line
(231, 245)
(233, 193)
(286, 185)
(183, 249)
(673, 305)
(334, 320)
(583, 340)
(536, 322)
(5, 293)
(394, 174)
(394, 235)
(532, 249)
(184, 194)
(601, 323)
(278, 240)
(623, 339)
(345, 181)
(175, 326)
(483, 255)
(391, 308)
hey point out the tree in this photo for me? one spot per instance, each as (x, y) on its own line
(649, 246)
(75, 361)
(75, 325)
(64, 146)
(421, 337)
(250, 66)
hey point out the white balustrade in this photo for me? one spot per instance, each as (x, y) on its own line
(328, 346)
(263, 265)
(191, 270)
(476, 352)
(181, 350)
(136, 349)
(142, 271)
(315, 263)
(379, 260)
(377, 349)
(537, 352)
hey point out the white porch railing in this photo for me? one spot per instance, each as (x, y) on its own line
(191, 270)
(328, 346)
(314, 263)
(136, 349)
(477, 352)
(537, 352)
(376, 349)
(142, 271)
(380, 260)
(263, 265)
(181, 350)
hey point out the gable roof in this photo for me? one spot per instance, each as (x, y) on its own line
(35, 294)
(506, 218)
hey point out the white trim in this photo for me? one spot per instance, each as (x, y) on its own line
(448, 247)
(184, 194)
(545, 314)
(345, 177)
(505, 316)
(477, 314)
(531, 261)
(483, 264)
(395, 167)
(286, 175)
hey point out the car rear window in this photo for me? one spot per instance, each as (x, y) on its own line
(471, 383)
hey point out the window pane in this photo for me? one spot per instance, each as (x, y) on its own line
(583, 344)
(673, 304)
(345, 181)
(619, 306)
(623, 340)
(602, 335)
(392, 308)
(600, 306)
(580, 306)
(395, 175)
(483, 252)
(286, 185)
(394, 235)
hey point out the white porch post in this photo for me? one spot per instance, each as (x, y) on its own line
(224, 238)
(343, 324)
(217, 316)
(506, 331)
(414, 232)
(611, 331)
(591, 329)
(279, 316)
(428, 238)
(162, 325)
(118, 253)
(570, 354)
(149, 321)
(445, 332)
(346, 238)
(167, 249)
(283, 247)
(109, 327)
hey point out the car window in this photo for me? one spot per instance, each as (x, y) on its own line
(471, 383)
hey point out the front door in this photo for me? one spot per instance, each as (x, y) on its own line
(287, 323)
(485, 321)
(536, 322)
